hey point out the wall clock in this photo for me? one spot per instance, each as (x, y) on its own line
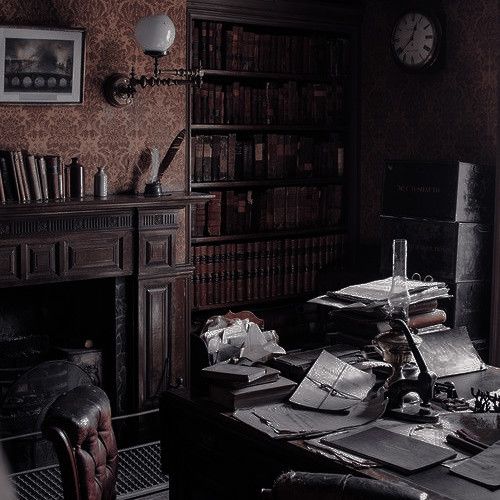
(416, 40)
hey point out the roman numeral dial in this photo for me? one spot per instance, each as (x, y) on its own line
(416, 39)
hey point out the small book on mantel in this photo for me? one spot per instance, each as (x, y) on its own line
(255, 395)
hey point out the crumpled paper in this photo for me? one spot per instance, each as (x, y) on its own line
(239, 338)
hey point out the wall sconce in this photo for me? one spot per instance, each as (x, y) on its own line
(155, 34)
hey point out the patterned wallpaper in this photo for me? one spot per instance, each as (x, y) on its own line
(98, 132)
(450, 114)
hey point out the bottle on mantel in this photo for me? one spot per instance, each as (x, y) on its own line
(77, 178)
(100, 183)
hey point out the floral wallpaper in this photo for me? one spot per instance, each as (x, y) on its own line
(450, 114)
(99, 133)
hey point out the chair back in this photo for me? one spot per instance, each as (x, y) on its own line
(79, 425)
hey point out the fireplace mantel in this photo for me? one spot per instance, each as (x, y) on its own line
(144, 242)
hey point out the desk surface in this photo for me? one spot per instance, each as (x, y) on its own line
(210, 455)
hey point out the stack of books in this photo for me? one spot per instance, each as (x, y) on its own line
(236, 386)
(362, 310)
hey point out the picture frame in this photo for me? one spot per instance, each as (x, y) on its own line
(41, 65)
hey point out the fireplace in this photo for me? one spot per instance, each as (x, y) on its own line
(114, 274)
(84, 322)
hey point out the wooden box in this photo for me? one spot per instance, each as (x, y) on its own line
(452, 251)
(451, 191)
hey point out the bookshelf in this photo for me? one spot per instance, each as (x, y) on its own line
(273, 140)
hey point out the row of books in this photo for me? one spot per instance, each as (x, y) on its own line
(271, 103)
(236, 48)
(265, 156)
(236, 212)
(259, 270)
(26, 177)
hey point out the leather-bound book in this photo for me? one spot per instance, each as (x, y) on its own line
(23, 166)
(231, 157)
(42, 174)
(7, 177)
(216, 152)
(248, 397)
(209, 256)
(279, 207)
(223, 171)
(18, 176)
(33, 178)
(3, 199)
(207, 159)
(240, 271)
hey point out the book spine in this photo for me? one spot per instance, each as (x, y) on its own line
(61, 178)
(42, 173)
(3, 197)
(33, 178)
(7, 179)
(18, 177)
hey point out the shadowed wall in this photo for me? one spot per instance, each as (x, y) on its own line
(449, 115)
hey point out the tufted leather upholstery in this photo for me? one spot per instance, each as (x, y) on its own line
(79, 425)
(319, 486)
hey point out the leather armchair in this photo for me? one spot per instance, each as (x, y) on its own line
(79, 425)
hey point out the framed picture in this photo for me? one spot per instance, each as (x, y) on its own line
(41, 65)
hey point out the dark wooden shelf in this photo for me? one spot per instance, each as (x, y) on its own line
(254, 302)
(264, 75)
(270, 234)
(308, 181)
(203, 127)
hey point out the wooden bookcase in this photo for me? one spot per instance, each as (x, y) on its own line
(273, 136)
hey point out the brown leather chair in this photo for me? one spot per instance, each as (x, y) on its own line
(317, 486)
(79, 425)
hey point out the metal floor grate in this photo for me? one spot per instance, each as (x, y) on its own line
(139, 473)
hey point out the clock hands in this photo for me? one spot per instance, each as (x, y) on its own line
(411, 37)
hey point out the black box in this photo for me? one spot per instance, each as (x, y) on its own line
(451, 191)
(452, 251)
(470, 307)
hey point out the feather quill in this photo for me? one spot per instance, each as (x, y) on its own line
(171, 152)
(155, 164)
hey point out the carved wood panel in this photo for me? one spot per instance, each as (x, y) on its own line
(163, 314)
(156, 250)
(153, 338)
(41, 260)
(108, 253)
(10, 263)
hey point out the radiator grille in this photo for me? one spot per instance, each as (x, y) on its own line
(139, 473)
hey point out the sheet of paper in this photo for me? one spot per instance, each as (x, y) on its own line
(483, 468)
(450, 352)
(283, 418)
(332, 385)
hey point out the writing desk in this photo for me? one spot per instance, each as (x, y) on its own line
(210, 455)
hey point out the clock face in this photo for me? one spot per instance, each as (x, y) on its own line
(415, 40)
